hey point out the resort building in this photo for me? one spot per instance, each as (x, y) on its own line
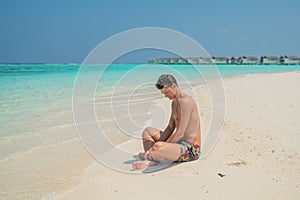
(173, 61)
(193, 61)
(248, 60)
(166, 61)
(219, 60)
(204, 60)
(269, 60)
(153, 61)
(232, 61)
(242, 60)
(182, 61)
(290, 60)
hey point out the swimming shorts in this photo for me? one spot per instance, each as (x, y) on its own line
(189, 151)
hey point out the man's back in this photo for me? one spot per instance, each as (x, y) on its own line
(185, 113)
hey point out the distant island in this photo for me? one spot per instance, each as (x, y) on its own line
(242, 60)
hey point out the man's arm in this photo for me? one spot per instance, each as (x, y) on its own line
(169, 130)
(186, 110)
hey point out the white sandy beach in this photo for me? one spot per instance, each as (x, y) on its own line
(258, 154)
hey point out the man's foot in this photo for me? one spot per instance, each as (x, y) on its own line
(142, 155)
(139, 165)
(145, 155)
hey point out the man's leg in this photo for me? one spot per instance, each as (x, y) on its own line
(159, 152)
(165, 150)
(150, 136)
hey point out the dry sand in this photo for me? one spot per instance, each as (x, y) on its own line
(257, 156)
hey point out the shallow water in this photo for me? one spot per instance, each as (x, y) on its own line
(35, 97)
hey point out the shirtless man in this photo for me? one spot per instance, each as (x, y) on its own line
(181, 140)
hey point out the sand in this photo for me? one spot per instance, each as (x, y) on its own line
(256, 157)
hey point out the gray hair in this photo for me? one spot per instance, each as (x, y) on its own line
(165, 80)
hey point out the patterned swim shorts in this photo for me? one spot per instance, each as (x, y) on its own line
(189, 152)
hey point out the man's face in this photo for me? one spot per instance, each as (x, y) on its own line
(168, 93)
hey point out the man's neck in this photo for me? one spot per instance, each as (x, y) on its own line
(179, 94)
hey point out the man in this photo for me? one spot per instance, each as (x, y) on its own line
(181, 140)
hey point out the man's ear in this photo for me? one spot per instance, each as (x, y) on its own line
(174, 86)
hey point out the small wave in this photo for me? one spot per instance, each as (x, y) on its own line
(17, 155)
(36, 148)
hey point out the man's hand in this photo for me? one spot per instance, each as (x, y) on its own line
(147, 155)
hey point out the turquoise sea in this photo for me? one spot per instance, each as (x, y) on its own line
(34, 91)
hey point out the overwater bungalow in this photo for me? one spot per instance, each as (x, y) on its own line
(243, 60)
(269, 60)
(151, 61)
(159, 61)
(154, 60)
(182, 61)
(204, 60)
(219, 60)
(193, 61)
(173, 61)
(290, 60)
(232, 61)
(248, 60)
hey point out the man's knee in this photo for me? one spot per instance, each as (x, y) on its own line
(147, 129)
(158, 146)
(146, 132)
(147, 135)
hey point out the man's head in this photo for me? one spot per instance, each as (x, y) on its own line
(167, 84)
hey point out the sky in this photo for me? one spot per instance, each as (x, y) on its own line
(65, 31)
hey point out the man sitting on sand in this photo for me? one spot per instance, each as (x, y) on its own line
(181, 140)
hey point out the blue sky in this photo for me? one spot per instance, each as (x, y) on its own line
(67, 30)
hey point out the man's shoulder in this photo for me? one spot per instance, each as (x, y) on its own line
(186, 99)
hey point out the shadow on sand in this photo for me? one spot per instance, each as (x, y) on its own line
(158, 167)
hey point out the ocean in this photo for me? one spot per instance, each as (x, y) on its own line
(38, 92)
(29, 91)
(36, 109)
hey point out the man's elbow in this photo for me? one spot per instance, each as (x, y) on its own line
(178, 137)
